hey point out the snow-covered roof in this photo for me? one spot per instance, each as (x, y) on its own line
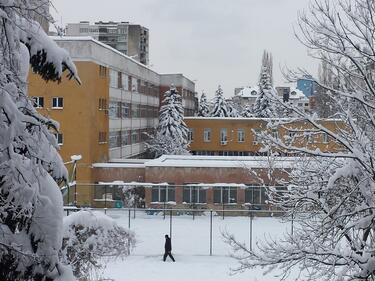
(249, 92)
(122, 163)
(297, 94)
(220, 161)
(89, 38)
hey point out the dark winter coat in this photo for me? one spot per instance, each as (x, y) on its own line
(168, 244)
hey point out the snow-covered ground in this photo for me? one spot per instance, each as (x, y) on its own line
(190, 242)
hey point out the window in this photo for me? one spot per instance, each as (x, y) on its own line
(125, 110)
(59, 138)
(325, 138)
(114, 139)
(125, 138)
(102, 137)
(38, 102)
(309, 138)
(135, 137)
(207, 135)
(119, 80)
(113, 78)
(102, 104)
(223, 135)
(125, 81)
(135, 110)
(57, 102)
(191, 135)
(256, 133)
(275, 134)
(163, 194)
(225, 195)
(194, 194)
(241, 135)
(102, 71)
(253, 194)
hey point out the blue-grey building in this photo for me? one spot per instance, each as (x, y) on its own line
(307, 85)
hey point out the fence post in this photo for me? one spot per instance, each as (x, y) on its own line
(211, 232)
(170, 223)
(129, 218)
(251, 231)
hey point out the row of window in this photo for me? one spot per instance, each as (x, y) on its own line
(122, 110)
(122, 81)
(222, 195)
(57, 102)
(127, 137)
(240, 135)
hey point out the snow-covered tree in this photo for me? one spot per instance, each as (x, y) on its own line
(171, 136)
(267, 61)
(219, 105)
(331, 195)
(247, 111)
(204, 108)
(31, 206)
(90, 240)
(232, 110)
(264, 104)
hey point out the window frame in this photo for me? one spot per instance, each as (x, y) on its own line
(58, 101)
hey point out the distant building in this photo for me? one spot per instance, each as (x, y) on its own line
(307, 85)
(295, 97)
(129, 39)
(236, 137)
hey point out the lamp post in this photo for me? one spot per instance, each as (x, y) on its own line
(75, 159)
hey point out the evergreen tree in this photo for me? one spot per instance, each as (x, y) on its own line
(204, 109)
(220, 108)
(232, 110)
(247, 111)
(31, 206)
(263, 104)
(172, 133)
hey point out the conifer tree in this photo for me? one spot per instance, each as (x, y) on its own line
(219, 108)
(204, 109)
(171, 136)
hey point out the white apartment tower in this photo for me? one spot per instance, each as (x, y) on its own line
(130, 39)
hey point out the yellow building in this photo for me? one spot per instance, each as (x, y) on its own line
(106, 117)
(238, 136)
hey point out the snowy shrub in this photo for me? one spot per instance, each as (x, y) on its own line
(90, 239)
(204, 108)
(30, 200)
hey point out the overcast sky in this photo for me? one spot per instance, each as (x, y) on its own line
(211, 41)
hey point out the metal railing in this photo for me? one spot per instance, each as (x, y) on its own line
(130, 215)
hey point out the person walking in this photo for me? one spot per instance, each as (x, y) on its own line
(168, 248)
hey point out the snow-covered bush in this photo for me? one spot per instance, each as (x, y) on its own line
(331, 195)
(171, 135)
(90, 239)
(30, 200)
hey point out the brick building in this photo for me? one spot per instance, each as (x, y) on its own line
(203, 181)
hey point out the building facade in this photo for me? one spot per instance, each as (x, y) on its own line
(185, 87)
(295, 97)
(129, 39)
(239, 136)
(109, 116)
(203, 182)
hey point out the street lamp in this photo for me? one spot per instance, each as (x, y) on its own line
(75, 158)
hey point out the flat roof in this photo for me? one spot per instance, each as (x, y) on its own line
(220, 161)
